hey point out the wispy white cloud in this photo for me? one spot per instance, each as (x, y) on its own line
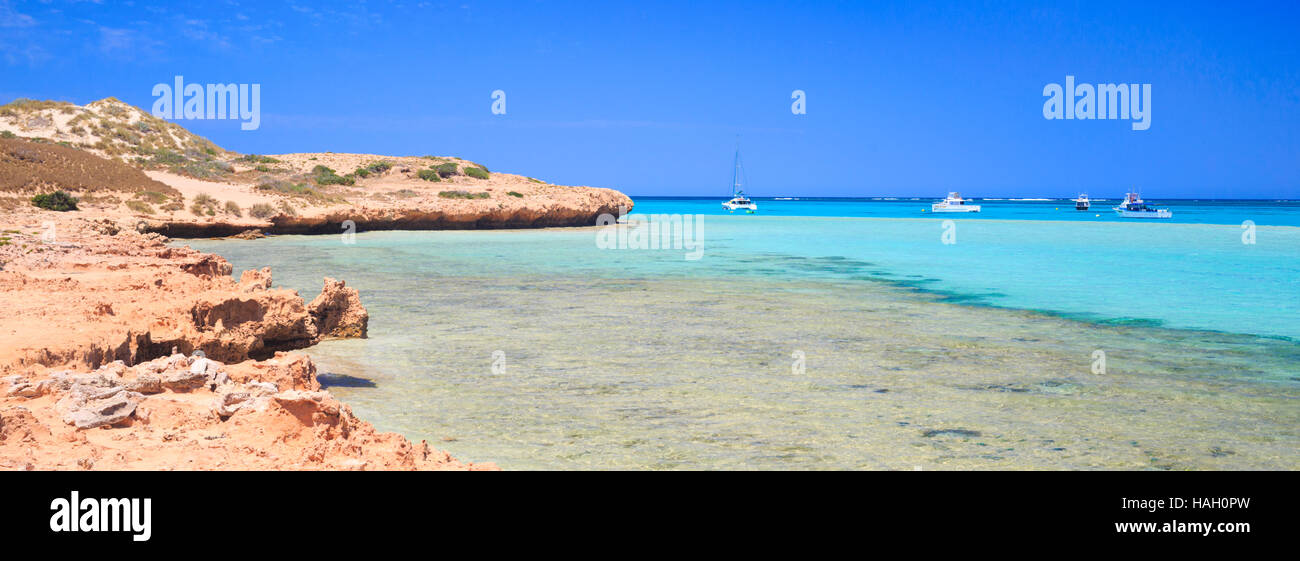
(9, 17)
(200, 30)
(29, 54)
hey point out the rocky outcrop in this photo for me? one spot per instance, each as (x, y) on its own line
(388, 193)
(250, 234)
(121, 352)
(338, 311)
(18, 427)
(253, 415)
(131, 297)
(107, 407)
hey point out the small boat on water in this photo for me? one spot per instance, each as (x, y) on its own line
(738, 199)
(954, 203)
(1134, 207)
(1082, 203)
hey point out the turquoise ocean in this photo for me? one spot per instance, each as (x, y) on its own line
(830, 333)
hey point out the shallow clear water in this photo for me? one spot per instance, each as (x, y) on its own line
(537, 349)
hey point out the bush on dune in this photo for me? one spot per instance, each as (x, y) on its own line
(462, 195)
(58, 201)
(323, 175)
(447, 170)
(256, 159)
(261, 210)
(202, 204)
(139, 206)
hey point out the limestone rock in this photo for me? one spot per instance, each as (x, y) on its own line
(250, 280)
(146, 384)
(338, 311)
(228, 404)
(100, 410)
(250, 234)
(186, 380)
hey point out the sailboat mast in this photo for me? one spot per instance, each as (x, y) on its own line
(735, 176)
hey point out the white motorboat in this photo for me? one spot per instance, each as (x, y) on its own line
(1134, 207)
(1082, 203)
(954, 203)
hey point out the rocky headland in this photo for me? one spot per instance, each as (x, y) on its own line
(130, 167)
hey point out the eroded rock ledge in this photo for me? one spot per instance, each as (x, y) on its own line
(118, 351)
(464, 215)
(95, 299)
(179, 412)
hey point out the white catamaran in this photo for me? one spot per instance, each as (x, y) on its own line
(954, 203)
(1134, 207)
(738, 199)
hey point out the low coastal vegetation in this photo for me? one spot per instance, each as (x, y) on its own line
(261, 210)
(144, 201)
(192, 163)
(203, 204)
(22, 105)
(515, 194)
(303, 190)
(458, 194)
(139, 206)
(428, 175)
(27, 167)
(256, 159)
(323, 175)
(203, 169)
(233, 208)
(288, 188)
(113, 128)
(153, 197)
(374, 168)
(59, 201)
(477, 172)
(447, 170)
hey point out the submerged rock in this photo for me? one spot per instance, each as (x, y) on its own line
(950, 432)
(250, 234)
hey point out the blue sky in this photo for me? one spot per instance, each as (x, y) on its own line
(908, 98)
